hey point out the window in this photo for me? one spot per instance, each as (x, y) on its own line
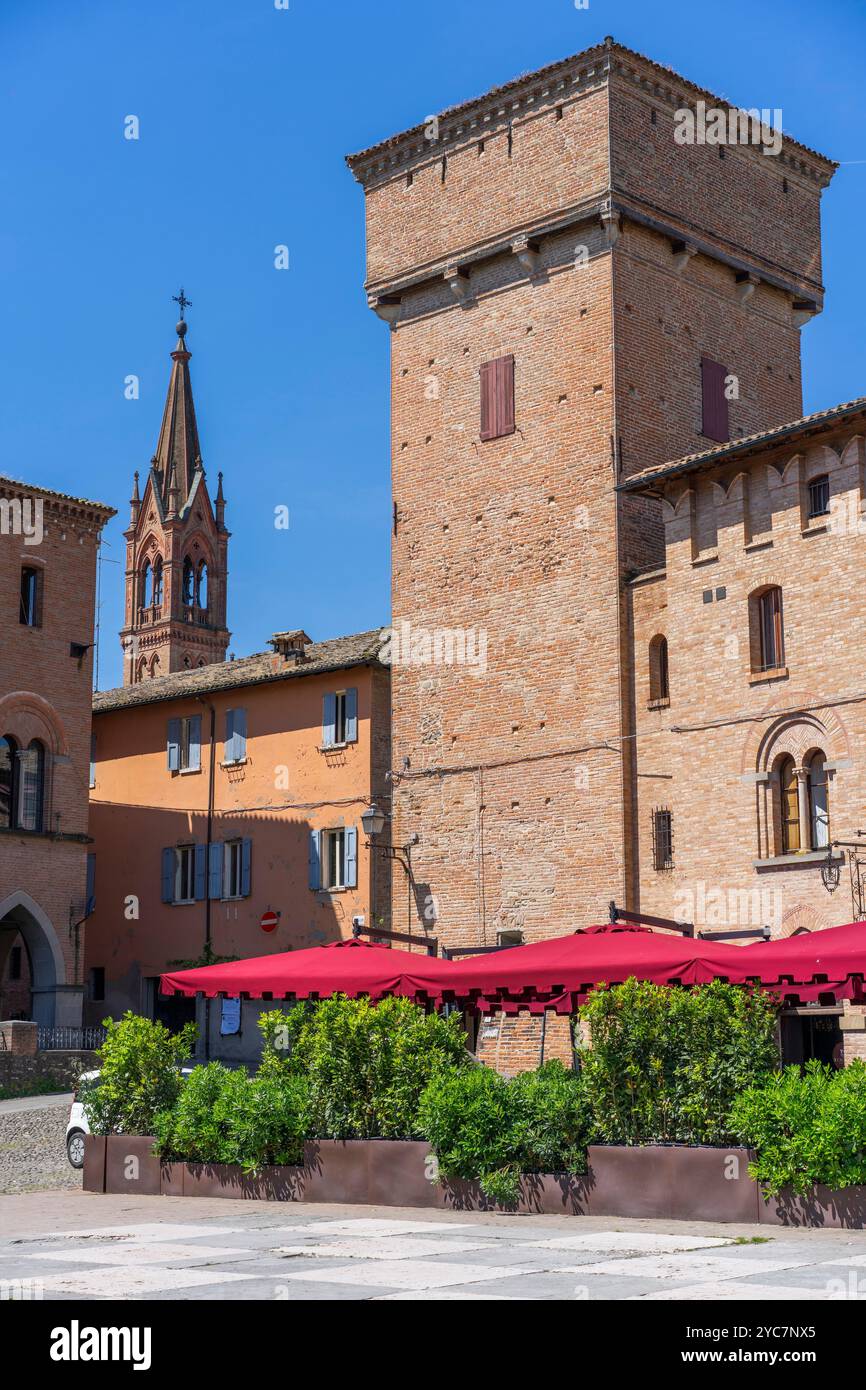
(235, 745)
(184, 744)
(31, 786)
(340, 718)
(96, 983)
(15, 963)
(663, 839)
(157, 582)
(184, 874)
(8, 782)
(232, 864)
(771, 634)
(92, 780)
(90, 890)
(333, 858)
(497, 398)
(30, 614)
(188, 588)
(658, 672)
(819, 496)
(715, 424)
(819, 808)
(146, 589)
(201, 585)
(789, 806)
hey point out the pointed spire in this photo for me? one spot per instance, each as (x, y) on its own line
(178, 448)
(220, 504)
(173, 495)
(134, 501)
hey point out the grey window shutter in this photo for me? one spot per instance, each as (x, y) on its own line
(240, 734)
(169, 860)
(329, 720)
(92, 760)
(351, 716)
(315, 860)
(229, 744)
(200, 872)
(215, 870)
(173, 745)
(350, 867)
(195, 741)
(246, 866)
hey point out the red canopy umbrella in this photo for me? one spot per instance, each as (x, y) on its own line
(342, 967)
(829, 962)
(559, 973)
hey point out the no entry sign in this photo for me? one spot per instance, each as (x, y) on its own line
(270, 921)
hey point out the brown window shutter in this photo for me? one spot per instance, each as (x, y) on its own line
(715, 423)
(497, 397)
(488, 395)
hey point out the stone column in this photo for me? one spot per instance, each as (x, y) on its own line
(802, 775)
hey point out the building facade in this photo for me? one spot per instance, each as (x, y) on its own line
(226, 819)
(580, 291)
(48, 553)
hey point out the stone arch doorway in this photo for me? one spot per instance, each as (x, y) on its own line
(53, 1002)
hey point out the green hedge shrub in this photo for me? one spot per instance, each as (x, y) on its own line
(139, 1075)
(485, 1128)
(224, 1116)
(665, 1065)
(807, 1127)
(366, 1066)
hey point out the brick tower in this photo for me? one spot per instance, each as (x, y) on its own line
(566, 286)
(176, 547)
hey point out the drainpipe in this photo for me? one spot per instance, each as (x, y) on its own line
(208, 834)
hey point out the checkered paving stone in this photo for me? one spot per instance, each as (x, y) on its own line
(399, 1259)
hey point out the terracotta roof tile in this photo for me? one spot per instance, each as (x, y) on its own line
(335, 654)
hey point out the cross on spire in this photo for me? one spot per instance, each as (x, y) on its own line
(182, 300)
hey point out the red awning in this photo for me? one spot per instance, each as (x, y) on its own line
(828, 962)
(342, 967)
(559, 973)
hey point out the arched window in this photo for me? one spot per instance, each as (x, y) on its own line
(154, 666)
(142, 669)
(819, 805)
(146, 590)
(789, 806)
(157, 582)
(201, 585)
(8, 781)
(32, 786)
(659, 685)
(188, 591)
(768, 638)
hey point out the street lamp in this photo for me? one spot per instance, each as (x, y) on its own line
(373, 821)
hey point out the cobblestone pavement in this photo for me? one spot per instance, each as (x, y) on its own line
(33, 1145)
(83, 1246)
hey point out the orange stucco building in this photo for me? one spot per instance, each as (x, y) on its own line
(223, 794)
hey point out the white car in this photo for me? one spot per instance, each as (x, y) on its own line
(78, 1126)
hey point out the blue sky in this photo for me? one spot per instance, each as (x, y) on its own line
(245, 115)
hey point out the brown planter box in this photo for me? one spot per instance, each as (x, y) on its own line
(94, 1163)
(131, 1166)
(675, 1182)
(834, 1209)
(229, 1180)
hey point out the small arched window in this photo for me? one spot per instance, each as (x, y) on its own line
(8, 781)
(157, 582)
(659, 684)
(789, 806)
(146, 585)
(188, 583)
(769, 647)
(154, 667)
(819, 803)
(201, 585)
(32, 786)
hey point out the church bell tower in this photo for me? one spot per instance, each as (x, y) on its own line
(176, 546)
